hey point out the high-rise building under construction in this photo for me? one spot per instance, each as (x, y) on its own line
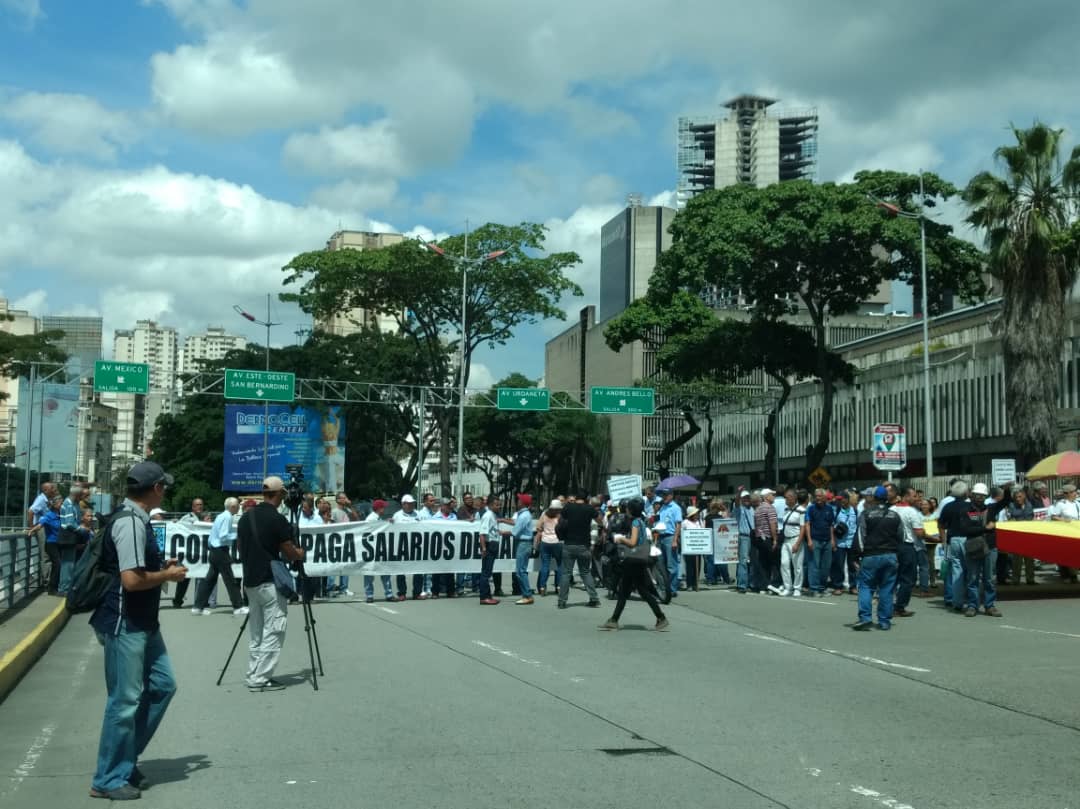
(751, 144)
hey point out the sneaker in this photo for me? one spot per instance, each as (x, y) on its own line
(240, 611)
(424, 596)
(563, 605)
(884, 627)
(138, 780)
(369, 600)
(994, 612)
(862, 626)
(489, 602)
(542, 591)
(970, 612)
(609, 626)
(775, 590)
(124, 793)
(594, 603)
(662, 625)
(196, 611)
(525, 600)
(269, 685)
(796, 593)
(346, 592)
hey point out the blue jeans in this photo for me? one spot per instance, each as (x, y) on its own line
(671, 559)
(922, 564)
(369, 587)
(342, 585)
(67, 568)
(841, 558)
(982, 571)
(742, 569)
(955, 585)
(549, 551)
(522, 552)
(487, 565)
(820, 565)
(140, 684)
(877, 573)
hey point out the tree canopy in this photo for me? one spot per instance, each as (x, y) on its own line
(1030, 217)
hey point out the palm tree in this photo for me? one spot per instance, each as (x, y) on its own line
(1029, 217)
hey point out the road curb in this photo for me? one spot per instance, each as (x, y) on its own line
(15, 663)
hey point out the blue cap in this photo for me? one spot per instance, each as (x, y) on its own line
(663, 491)
(881, 493)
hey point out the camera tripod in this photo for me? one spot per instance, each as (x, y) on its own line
(305, 594)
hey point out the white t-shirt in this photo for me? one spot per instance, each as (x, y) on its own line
(1069, 509)
(792, 522)
(912, 520)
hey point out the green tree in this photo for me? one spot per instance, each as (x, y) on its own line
(1029, 218)
(421, 291)
(18, 351)
(544, 452)
(819, 248)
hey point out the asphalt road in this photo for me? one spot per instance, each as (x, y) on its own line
(749, 701)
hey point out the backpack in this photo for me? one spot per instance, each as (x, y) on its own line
(89, 581)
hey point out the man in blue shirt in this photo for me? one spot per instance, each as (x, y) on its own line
(523, 545)
(70, 517)
(819, 523)
(138, 674)
(222, 540)
(744, 519)
(667, 529)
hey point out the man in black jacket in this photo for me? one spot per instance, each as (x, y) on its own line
(876, 543)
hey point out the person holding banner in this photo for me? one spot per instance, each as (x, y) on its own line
(489, 547)
(421, 583)
(376, 515)
(692, 564)
(714, 573)
(635, 576)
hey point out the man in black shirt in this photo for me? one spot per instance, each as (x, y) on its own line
(575, 530)
(263, 536)
(876, 543)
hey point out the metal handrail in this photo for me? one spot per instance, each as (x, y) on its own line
(20, 569)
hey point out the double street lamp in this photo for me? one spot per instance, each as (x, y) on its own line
(266, 405)
(896, 211)
(464, 263)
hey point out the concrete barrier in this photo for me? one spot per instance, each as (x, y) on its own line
(18, 660)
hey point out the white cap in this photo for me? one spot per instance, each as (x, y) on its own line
(555, 504)
(980, 488)
(408, 498)
(764, 492)
(156, 511)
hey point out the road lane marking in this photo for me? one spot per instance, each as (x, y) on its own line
(767, 637)
(536, 664)
(387, 609)
(1038, 631)
(877, 661)
(880, 798)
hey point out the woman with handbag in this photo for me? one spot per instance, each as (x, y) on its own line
(636, 561)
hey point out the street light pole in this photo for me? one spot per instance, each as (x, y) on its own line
(464, 263)
(266, 404)
(928, 413)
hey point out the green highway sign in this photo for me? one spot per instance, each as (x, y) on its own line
(524, 399)
(627, 401)
(121, 377)
(263, 386)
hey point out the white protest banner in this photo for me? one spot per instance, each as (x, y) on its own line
(1002, 471)
(623, 487)
(356, 548)
(696, 541)
(725, 542)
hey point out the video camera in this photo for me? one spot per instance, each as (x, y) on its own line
(294, 487)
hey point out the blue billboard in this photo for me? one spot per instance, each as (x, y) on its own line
(299, 435)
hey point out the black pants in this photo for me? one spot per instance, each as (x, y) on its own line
(760, 563)
(52, 550)
(220, 562)
(444, 583)
(486, 567)
(181, 592)
(691, 564)
(636, 577)
(907, 570)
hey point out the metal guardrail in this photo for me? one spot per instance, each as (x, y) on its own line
(20, 569)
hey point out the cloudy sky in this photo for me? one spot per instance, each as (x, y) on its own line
(164, 158)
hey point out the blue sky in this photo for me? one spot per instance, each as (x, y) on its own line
(164, 158)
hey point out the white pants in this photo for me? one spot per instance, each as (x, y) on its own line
(790, 558)
(267, 616)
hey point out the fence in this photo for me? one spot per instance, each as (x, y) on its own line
(20, 569)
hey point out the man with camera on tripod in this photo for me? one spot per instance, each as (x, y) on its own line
(263, 536)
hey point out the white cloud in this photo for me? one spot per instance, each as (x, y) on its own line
(351, 197)
(70, 124)
(150, 243)
(480, 377)
(374, 148)
(33, 302)
(29, 10)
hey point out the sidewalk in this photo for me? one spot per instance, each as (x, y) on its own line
(26, 635)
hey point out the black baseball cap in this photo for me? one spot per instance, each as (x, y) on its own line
(145, 474)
